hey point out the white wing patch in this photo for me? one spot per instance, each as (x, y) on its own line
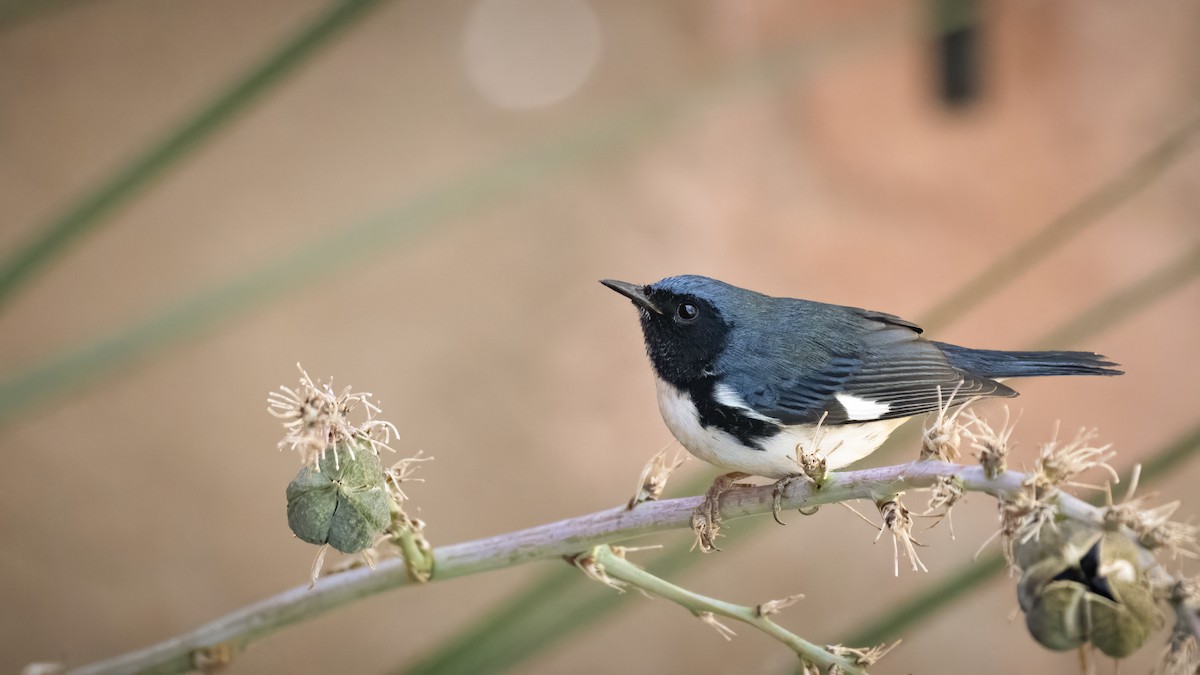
(727, 396)
(840, 444)
(860, 409)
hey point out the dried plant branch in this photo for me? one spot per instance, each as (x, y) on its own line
(565, 537)
(615, 566)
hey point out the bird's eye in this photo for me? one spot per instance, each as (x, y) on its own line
(687, 312)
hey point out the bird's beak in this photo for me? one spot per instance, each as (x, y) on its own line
(634, 292)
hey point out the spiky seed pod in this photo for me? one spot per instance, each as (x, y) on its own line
(1082, 584)
(344, 504)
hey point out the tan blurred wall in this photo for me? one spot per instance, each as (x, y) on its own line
(152, 501)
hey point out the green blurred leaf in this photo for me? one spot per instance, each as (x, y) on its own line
(124, 183)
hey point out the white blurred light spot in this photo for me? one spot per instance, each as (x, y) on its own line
(530, 53)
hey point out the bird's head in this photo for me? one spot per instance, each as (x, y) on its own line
(686, 320)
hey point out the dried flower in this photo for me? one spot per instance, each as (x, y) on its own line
(991, 444)
(654, 477)
(862, 656)
(945, 493)
(940, 440)
(775, 606)
(215, 658)
(1180, 656)
(898, 521)
(1061, 464)
(811, 461)
(711, 619)
(401, 472)
(1153, 526)
(590, 565)
(1025, 513)
(316, 420)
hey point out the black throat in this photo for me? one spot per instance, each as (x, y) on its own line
(685, 354)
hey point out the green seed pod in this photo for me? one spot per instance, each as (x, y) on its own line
(1056, 615)
(1080, 584)
(1121, 625)
(345, 504)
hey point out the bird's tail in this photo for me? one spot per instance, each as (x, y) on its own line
(992, 363)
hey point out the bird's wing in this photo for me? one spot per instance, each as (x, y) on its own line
(888, 372)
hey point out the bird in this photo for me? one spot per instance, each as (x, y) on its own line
(749, 382)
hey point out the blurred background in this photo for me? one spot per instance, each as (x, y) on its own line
(417, 198)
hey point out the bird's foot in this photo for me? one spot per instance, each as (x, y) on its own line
(813, 468)
(706, 519)
(783, 484)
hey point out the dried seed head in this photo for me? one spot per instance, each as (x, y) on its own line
(811, 461)
(215, 658)
(1180, 656)
(711, 619)
(775, 606)
(943, 436)
(1023, 516)
(316, 419)
(590, 565)
(945, 493)
(991, 445)
(401, 472)
(1153, 526)
(654, 477)
(862, 656)
(898, 521)
(1025, 513)
(1060, 464)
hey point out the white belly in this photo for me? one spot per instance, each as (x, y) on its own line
(839, 444)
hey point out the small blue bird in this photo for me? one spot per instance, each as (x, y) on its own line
(745, 379)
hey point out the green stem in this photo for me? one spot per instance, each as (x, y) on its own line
(89, 211)
(618, 567)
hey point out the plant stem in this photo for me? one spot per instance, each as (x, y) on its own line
(618, 567)
(565, 537)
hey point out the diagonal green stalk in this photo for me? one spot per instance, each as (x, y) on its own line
(526, 167)
(1126, 301)
(503, 638)
(90, 210)
(13, 12)
(1075, 220)
(617, 567)
(973, 574)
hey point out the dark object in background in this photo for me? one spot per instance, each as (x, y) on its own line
(957, 26)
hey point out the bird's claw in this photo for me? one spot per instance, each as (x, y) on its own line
(777, 495)
(706, 519)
